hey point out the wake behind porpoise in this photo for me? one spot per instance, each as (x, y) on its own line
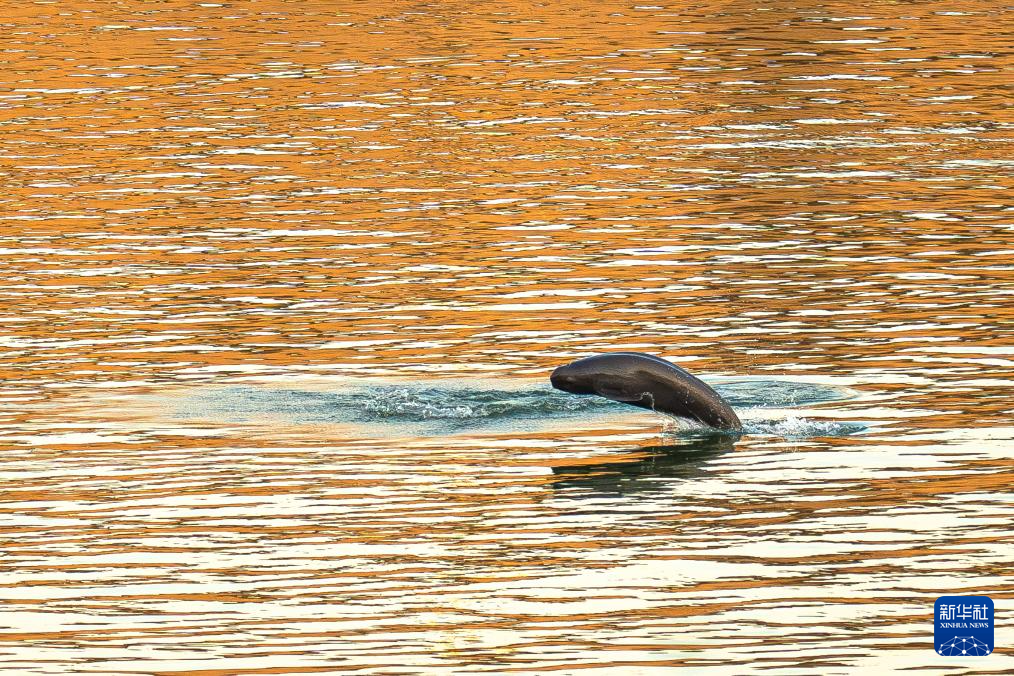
(466, 406)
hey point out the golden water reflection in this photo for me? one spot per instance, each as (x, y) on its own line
(212, 204)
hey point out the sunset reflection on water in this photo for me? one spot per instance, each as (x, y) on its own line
(283, 283)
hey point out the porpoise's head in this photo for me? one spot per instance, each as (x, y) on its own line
(574, 378)
(609, 375)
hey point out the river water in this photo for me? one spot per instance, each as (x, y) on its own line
(283, 283)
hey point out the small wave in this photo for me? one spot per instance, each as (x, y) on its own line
(397, 404)
(431, 403)
(778, 393)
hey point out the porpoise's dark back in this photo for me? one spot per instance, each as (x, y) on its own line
(672, 389)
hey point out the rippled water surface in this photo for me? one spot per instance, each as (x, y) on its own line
(283, 283)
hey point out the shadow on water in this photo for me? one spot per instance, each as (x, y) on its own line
(654, 471)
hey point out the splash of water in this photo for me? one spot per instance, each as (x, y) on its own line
(797, 427)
